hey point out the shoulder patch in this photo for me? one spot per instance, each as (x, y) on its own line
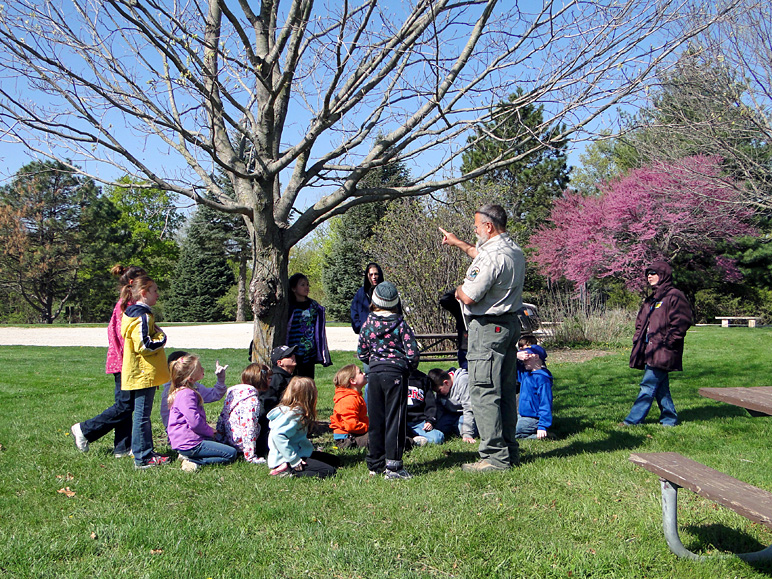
(473, 273)
(658, 305)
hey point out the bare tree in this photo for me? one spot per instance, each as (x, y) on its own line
(287, 96)
(717, 100)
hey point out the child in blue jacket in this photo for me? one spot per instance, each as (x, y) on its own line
(534, 410)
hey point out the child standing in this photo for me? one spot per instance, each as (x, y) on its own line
(189, 434)
(118, 416)
(238, 424)
(212, 394)
(290, 452)
(534, 409)
(144, 365)
(349, 419)
(388, 345)
(306, 328)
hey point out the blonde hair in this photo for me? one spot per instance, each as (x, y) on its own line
(182, 370)
(256, 375)
(345, 375)
(300, 396)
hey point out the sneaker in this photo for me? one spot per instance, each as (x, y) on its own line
(420, 440)
(396, 474)
(189, 466)
(123, 454)
(155, 460)
(483, 465)
(77, 436)
(281, 470)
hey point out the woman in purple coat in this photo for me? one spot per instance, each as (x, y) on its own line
(658, 344)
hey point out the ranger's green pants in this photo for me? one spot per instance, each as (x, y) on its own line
(492, 360)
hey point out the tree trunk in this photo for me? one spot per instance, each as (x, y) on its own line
(241, 296)
(268, 291)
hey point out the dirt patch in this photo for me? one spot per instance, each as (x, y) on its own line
(570, 356)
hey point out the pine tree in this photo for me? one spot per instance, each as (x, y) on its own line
(202, 275)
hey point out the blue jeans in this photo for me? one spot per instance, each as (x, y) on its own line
(434, 436)
(655, 385)
(526, 427)
(141, 432)
(117, 417)
(210, 452)
(450, 424)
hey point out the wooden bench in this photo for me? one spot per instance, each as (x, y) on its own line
(750, 319)
(757, 400)
(677, 471)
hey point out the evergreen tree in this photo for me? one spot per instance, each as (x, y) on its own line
(56, 230)
(527, 186)
(202, 275)
(344, 262)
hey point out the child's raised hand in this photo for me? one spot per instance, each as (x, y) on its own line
(219, 371)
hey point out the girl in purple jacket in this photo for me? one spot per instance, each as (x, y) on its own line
(189, 434)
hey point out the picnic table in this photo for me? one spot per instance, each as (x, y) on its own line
(750, 319)
(757, 400)
(677, 471)
(435, 347)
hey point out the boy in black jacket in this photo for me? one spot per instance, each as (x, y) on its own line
(422, 410)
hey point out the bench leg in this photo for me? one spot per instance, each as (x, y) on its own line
(670, 526)
(751, 323)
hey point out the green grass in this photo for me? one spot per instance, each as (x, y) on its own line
(575, 508)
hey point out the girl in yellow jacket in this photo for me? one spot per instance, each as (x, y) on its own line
(144, 365)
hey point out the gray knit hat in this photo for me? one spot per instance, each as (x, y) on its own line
(386, 295)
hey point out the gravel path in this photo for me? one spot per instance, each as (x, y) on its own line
(212, 336)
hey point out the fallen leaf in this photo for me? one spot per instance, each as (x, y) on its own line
(67, 492)
(93, 535)
(156, 551)
(66, 477)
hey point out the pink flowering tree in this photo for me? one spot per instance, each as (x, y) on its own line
(656, 212)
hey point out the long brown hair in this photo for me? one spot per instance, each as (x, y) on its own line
(125, 276)
(182, 370)
(132, 292)
(256, 375)
(300, 396)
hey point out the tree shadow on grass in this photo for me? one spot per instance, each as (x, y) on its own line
(565, 426)
(709, 412)
(729, 541)
(615, 441)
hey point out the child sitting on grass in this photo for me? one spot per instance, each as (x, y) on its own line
(189, 434)
(454, 405)
(212, 394)
(422, 410)
(238, 425)
(290, 453)
(534, 412)
(349, 414)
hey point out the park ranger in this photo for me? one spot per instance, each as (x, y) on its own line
(490, 296)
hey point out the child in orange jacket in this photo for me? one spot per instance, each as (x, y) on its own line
(349, 414)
